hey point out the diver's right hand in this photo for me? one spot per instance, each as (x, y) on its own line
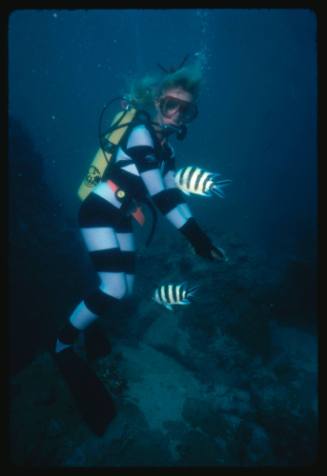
(218, 254)
(211, 253)
(200, 242)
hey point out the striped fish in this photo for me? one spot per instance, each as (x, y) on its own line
(174, 294)
(198, 181)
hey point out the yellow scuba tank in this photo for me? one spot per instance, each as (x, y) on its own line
(103, 156)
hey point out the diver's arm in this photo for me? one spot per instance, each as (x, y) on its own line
(200, 242)
(169, 180)
(169, 201)
(140, 148)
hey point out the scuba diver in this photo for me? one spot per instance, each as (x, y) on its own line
(142, 169)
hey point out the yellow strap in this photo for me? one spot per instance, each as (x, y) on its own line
(101, 158)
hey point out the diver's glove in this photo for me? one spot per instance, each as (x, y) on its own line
(200, 241)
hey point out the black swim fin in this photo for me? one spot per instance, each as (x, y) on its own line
(90, 394)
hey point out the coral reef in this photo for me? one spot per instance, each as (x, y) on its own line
(47, 272)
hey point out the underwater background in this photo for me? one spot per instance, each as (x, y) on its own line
(232, 379)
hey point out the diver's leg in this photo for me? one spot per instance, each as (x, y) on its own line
(98, 222)
(104, 251)
(80, 319)
(116, 278)
(90, 394)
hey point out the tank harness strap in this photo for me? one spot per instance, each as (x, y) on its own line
(120, 194)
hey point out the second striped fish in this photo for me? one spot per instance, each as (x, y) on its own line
(169, 295)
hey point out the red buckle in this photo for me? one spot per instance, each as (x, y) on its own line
(139, 216)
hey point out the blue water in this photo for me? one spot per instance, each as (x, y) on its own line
(257, 124)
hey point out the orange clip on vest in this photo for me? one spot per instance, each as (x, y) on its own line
(120, 194)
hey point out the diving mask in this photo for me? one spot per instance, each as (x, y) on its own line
(169, 105)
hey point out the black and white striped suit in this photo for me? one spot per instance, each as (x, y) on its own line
(143, 168)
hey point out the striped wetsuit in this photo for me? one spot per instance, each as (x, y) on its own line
(142, 168)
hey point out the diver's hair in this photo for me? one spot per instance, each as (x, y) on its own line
(188, 78)
(144, 91)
